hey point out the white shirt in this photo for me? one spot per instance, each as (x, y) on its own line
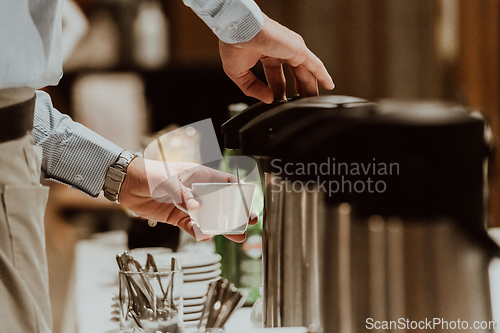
(30, 39)
(30, 36)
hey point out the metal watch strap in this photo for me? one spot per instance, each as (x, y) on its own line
(116, 174)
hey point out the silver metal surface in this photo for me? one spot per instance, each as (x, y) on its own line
(330, 270)
(272, 251)
(292, 263)
(293, 252)
(313, 241)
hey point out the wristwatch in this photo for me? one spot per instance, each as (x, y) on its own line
(116, 175)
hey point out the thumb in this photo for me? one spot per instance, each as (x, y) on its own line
(172, 190)
(188, 199)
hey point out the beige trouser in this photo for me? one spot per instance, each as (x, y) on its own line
(24, 291)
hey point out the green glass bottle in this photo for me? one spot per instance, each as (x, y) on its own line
(242, 263)
(250, 262)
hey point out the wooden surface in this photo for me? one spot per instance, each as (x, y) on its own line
(478, 72)
(192, 42)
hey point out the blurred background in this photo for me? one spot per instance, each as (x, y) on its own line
(134, 68)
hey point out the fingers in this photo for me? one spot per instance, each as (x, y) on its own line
(297, 84)
(210, 175)
(280, 42)
(306, 84)
(230, 178)
(253, 218)
(276, 80)
(199, 235)
(187, 198)
(237, 63)
(187, 225)
(191, 228)
(273, 45)
(168, 213)
(173, 191)
(156, 211)
(307, 71)
(253, 87)
(237, 238)
(176, 217)
(315, 67)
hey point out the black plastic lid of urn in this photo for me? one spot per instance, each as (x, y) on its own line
(258, 134)
(231, 128)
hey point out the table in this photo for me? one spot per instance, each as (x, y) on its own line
(96, 280)
(96, 283)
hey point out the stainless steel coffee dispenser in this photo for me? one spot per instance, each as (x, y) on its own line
(373, 214)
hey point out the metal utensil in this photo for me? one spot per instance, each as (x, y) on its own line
(133, 299)
(143, 303)
(231, 303)
(222, 299)
(145, 291)
(150, 262)
(212, 296)
(173, 266)
(122, 268)
(217, 305)
(205, 312)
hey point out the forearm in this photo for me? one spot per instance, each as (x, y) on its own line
(233, 21)
(72, 153)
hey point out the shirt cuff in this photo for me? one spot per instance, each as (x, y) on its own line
(72, 153)
(233, 21)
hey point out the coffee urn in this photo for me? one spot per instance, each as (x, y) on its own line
(373, 213)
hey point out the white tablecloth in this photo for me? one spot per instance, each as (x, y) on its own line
(97, 279)
(97, 283)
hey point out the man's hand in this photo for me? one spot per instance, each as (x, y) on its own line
(136, 195)
(273, 46)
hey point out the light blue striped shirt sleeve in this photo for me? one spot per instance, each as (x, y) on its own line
(233, 21)
(72, 153)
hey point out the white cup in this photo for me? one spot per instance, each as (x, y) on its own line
(224, 207)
